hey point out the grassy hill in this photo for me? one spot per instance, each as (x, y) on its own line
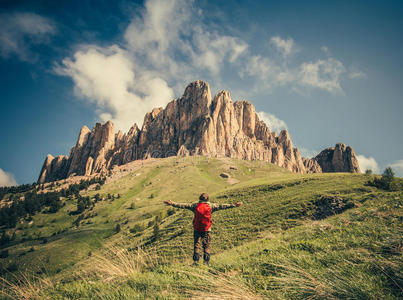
(320, 236)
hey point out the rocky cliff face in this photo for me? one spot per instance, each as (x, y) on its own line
(53, 168)
(194, 124)
(340, 158)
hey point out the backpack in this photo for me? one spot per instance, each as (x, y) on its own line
(202, 220)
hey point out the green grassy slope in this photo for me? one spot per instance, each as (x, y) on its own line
(272, 246)
(173, 178)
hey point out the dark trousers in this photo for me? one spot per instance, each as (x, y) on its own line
(201, 238)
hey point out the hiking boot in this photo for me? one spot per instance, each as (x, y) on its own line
(206, 258)
(196, 258)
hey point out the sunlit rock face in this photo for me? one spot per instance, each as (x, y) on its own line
(340, 158)
(195, 124)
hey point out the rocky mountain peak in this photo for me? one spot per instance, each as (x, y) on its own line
(224, 95)
(199, 90)
(193, 125)
(82, 136)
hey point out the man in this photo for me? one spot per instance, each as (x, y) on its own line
(202, 223)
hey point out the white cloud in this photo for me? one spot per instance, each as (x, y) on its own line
(357, 75)
(325, 50)
(368, 163)
(274, 123)
(167, 45)
(152, 35)
(284, 46)
(106, 77)
(259, 66)
(169, 36)
(322, 74)
(397, 167)
(267, 72)
(211, 50)
(19, 31)
(7, 179)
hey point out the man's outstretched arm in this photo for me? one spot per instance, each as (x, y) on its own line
(189, 206)
(216, 206)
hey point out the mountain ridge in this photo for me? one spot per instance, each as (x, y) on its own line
(194, 124)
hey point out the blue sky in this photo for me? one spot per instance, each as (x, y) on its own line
(328, 71)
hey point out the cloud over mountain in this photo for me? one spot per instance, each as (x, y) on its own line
(368, 163)
(169, 43)
(106, 77)
(274, 123)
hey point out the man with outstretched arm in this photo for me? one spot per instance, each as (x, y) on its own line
(202, 223)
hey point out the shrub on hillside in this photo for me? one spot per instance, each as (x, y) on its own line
(156, 231)
(31, 204)
(16, 189)
(160, 215)
(12, 267)
(97, 197)
(137, 228)
(386, 182)
(76, 222)
(4, 254)
(4, 239)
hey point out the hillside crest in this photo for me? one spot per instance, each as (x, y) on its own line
(194, 124)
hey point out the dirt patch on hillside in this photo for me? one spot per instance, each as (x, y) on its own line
(232, 180)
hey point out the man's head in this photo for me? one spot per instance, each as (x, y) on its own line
(203, 197)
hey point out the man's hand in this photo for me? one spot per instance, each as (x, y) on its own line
(169, 202)
(238, 204)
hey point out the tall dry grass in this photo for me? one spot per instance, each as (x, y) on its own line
(111, 268)
(111, 263)
(291, 277)
(218, 285)
(114, 262)
(24, 286)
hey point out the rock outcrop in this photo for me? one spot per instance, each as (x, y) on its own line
(194, 124)
(311, 165)
(54, 168)
(340, 158)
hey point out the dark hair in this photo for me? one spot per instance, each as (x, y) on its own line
(203, 197)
